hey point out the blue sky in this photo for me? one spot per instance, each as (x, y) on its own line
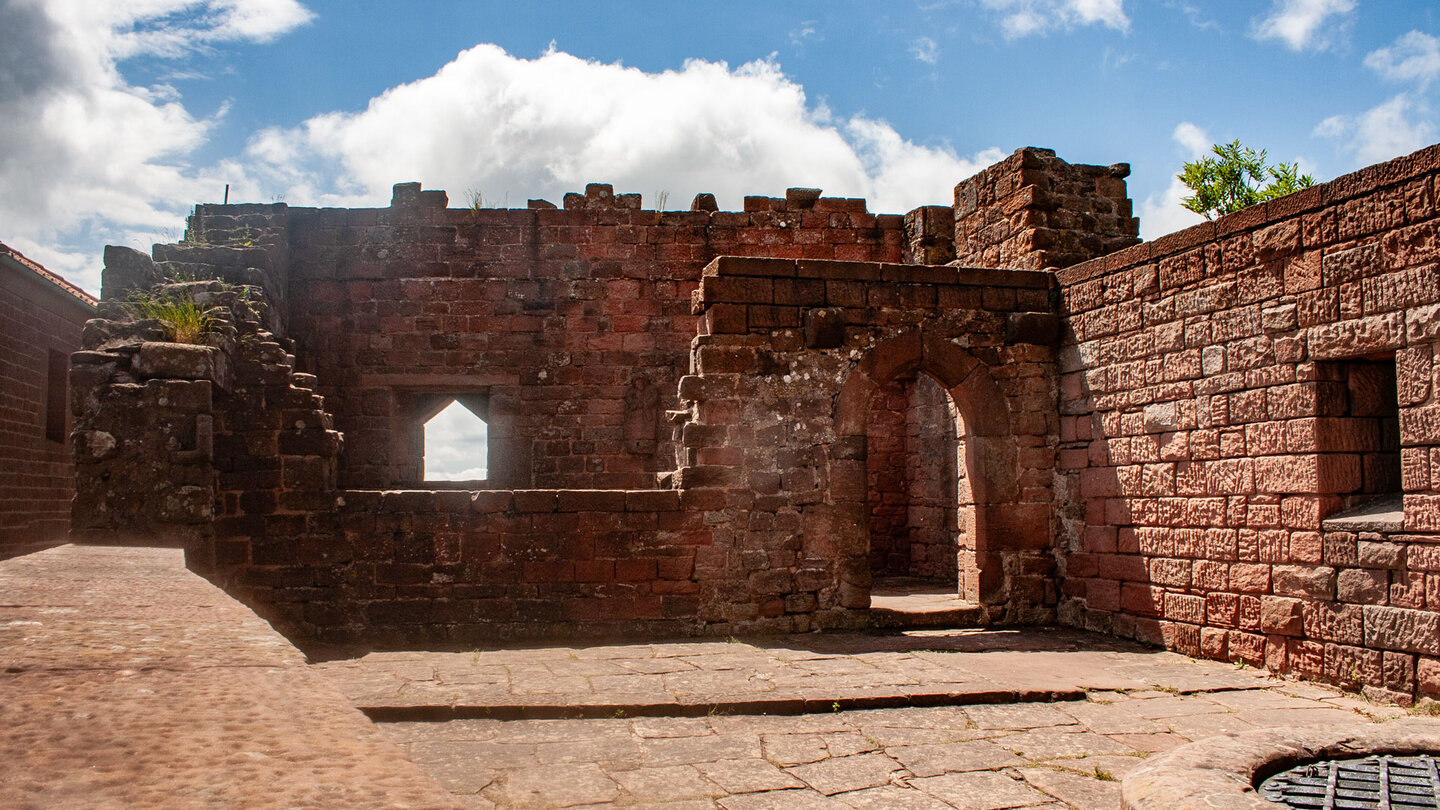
(117, 116)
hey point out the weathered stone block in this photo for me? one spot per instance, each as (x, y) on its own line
(1282, 616)
(824, 327)
(1361, 586)
(156, 360)
(1392, 628)
(1277, 240)
(1357, 337)
(1039, 328)
(1379, 554)
(1315, 581)
(1328, 621)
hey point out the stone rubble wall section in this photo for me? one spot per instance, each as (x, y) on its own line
(773, 419)
(1205, 437)
(1034, 211)
(245, 244)
(176, 443)
(547, 316)
(573, 325)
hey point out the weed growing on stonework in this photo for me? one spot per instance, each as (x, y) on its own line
(184, 320)
(1426, 707)
(1104, 775)
(245, 238)
(476, 202)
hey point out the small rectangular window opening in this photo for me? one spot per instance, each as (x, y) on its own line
(1365, 400)
(56, 389)
(1373, 402)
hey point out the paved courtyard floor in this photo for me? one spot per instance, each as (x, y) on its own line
(1035, 718)
(127, 681)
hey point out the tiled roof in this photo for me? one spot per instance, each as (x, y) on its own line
(20, 262)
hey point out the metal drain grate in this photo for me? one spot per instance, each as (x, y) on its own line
(1372, 783)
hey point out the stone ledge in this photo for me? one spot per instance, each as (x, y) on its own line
(1220, 772)
(1385, 515)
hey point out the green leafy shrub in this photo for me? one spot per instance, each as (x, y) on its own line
(1226, 181)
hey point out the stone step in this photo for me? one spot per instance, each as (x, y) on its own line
(219, 255)
(954, 618)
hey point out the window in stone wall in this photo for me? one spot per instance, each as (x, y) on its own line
(457, 444)
(1363, 427)
(56, 380)
(1372, 391)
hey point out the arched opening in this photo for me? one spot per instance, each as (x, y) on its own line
(960, 458)
(457, 444)
(920, 507)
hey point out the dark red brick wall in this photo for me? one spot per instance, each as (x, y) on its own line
(401, 568)
(914, 485)
(745, 542)
(560, 318)
(1226, 390)
(37, 478)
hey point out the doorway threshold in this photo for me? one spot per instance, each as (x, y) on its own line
(911, 602)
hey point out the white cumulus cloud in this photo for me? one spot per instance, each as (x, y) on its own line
(1414, 56)
(516, 128)
(456, 446)
(1304, 24)
(1021, 18)
(89, 158)
(1161, 212)
(1393, 128)
(86, 156)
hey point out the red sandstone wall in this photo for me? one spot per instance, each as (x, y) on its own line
(37, 479)
(1034, 211)
(547, 319)
(750, 541)
(914, 482)
(406, 568)
(562, 320)
(776, 415)
(1222, 397)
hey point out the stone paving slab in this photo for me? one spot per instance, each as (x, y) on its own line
(1063, 755)
(127, 681)
(819, 751)
(786, 675)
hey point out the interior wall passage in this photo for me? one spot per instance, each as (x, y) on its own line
(918, 503)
